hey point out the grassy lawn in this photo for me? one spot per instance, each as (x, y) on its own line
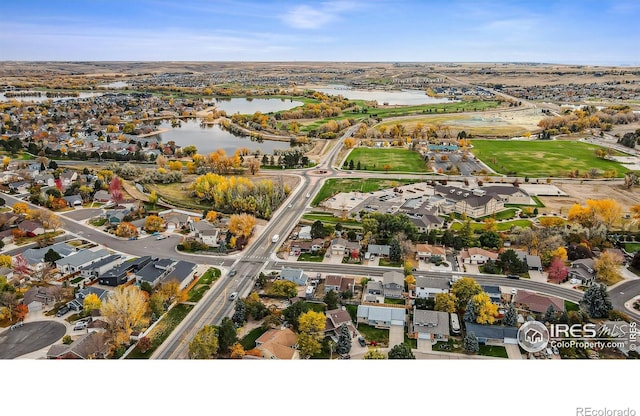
(353, 311)
(413, 343)
(204, 283)
(454, 107)
(311, 257)
(502, 226)
(371, 334)
(386, 262)
(335, 186)
(493, 351)
(451, 345)
(507, 214)
(570, 306)
(162, 330)
(397, 160)
(249, 340)
(394, 301)
(632, 247)
(174, 193)
(329, 218)
(524, 157)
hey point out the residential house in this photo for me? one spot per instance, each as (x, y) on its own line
(205, 233)
(493, 334)
(308, 246)
(154, 272)
(119, 275)
(7, 273)
(181, 272)
(374, 292)
(31, 228)
(381, 316)
(6, 236)
(175, 220)
(477, 255)
(279, 344)
(305, 233)
(426, 251)
(335, 319)
(19, 187)
(393, 284)
(77, 304)
(342, 247)
(99, 267)
(38, 296)
(338, 284)
(102, 196)
(296, 276)
(75, 262)
(426, 222)
(377, 250)
(583, 270)
(73, 200)
(44, 179)
(35, 256)
(536, 302)
(91, 345)
(68, 178)
(533, 262)
(428, 287)
(494, 292)
(432, 326)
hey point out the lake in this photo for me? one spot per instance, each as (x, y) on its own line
(251, 105)
(209, 139)
(400, 97)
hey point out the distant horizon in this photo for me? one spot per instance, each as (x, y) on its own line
(562, 32)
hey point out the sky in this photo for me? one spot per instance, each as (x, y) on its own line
(596, 32)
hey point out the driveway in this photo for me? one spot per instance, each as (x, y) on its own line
(538, 276)
(513, 352)
(396, 335)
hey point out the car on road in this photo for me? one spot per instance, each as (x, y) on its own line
(233, 296)
(308, 195)
(233, 273)
(513, 276)
(362, 342)
(62, 311)
(161, 237)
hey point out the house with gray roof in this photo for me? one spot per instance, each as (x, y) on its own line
(154, 272)
(584, 270)
(432, 326)
(381, 316)
(428, 287)
(393, 284)
(374, 292)
(73, 200)
(77, 304)
(377, 250)
(98, 267)
(181, 272)
(296, 276)
(35, 256)
(493, 334)
(75, 262)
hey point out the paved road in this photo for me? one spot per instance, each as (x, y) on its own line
(31, 337)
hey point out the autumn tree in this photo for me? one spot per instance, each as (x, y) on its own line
(374, 354)
(6, 260)
(153, 223)
(311, 325)
(463, 290)
(445, 302)
(550, 222)
(349, 142)
(115, 190)
(486, 311)
(242, 224)
(558, 271)
(124, 311)
(21, 208)
(283, 288)
(204, 344)
(126, 230)
(607, 268)
(153, 198)
(20, 312)
(253, 165)
(237, 351)
(91, 302)
(144, 344)
(490, 225)
(211, 217)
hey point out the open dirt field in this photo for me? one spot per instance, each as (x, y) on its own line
(578, 194)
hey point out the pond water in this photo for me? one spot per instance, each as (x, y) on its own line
(210, 138)
(400, 97)
(251, 105)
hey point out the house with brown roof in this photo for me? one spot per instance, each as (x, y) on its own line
(426, 251)
(334, 321)
(477, 255)
(91, 345)
(279, 344)
(536, 302)
(338, 283)
(31, 228)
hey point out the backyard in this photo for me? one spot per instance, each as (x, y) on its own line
(203, 284)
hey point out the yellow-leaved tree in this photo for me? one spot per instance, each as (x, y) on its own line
(445, 302)
(91, 302)
(486, 311)
(607, 268)
(125, 311)
(311, 326)
(242, 224)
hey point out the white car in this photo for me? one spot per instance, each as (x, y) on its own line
(161, 237)
(574, 281)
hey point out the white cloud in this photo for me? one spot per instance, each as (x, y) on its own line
(313, 17)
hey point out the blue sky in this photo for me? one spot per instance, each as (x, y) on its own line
(600, 32)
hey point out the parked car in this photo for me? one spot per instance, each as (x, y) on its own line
(362, 342)
(161, 237)
(80, 325)
(62, 311)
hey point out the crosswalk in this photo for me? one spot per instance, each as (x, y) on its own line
(255, 258)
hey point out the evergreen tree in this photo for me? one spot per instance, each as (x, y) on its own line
(471, 343)
(470, 314)
(351, 164)
(331, 299)
(401, 352)
(564, 318)
(395, 251)
(227, 335)
(344, 340)
(550, 315)
(596, 299)
(510, 316)
(358, 166)
(240, 315)
(52, 256)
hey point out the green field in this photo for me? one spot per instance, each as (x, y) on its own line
(335, 186)
(541, 158)
(392, 160)
(501, 226)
